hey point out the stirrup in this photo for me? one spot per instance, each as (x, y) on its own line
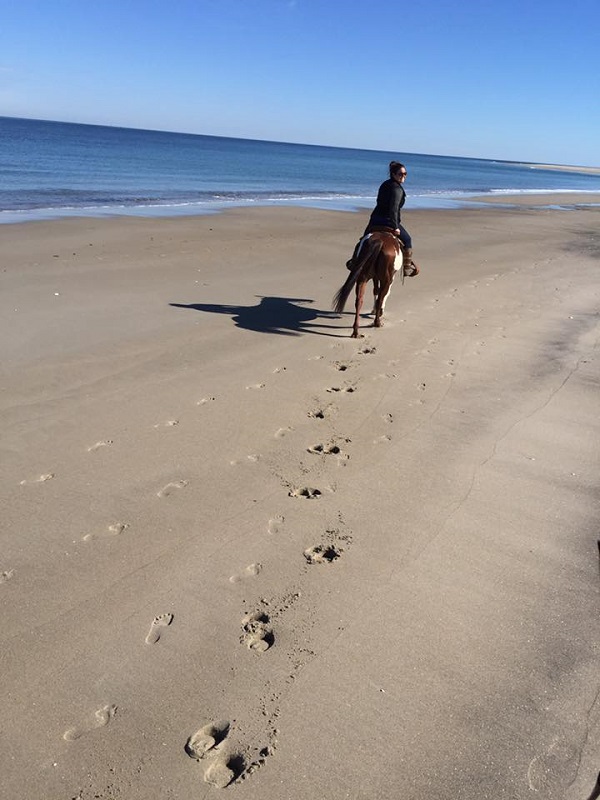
(411, 270)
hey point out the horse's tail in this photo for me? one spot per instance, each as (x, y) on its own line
(340, 297)
(370, 250)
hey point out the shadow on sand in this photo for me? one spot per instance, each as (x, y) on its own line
(281, 315)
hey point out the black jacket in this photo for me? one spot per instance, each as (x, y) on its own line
(390, 199)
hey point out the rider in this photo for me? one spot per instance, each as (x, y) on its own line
(386, 215)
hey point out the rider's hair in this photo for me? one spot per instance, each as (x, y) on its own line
(395, 167)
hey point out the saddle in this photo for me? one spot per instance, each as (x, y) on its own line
(382, 229)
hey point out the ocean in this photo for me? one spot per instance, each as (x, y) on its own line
(58, 169)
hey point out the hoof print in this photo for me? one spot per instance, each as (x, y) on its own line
(346, 389)
(325, 449)
(322, 554)
(206, 738)
(306, 492)
(257, 635)
(223, 771)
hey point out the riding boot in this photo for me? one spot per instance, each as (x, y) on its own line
(409, 266)
(350, 262)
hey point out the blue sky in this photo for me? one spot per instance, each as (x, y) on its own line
(508, 79)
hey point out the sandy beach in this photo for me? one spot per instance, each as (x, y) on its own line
(245, 554)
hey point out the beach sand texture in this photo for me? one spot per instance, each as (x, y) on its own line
(242, 552)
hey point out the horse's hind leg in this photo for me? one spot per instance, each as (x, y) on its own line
(360, 293)
(375, 293)
(384, 290)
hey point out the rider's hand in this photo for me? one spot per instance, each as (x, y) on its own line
(397, 231)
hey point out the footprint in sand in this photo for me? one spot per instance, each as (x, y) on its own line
(257, 633)
(554, 769)
(323, 413)
(306, 492)
(325, 449)
(42, 479)
(316, 358)
(279, 369)
(253, 457)
(102, 717)
(279, 434)
(170, 423)
(256, 386)
(224, 770)
(7, 575)
(275, 525)
(341, 366)
(382, 439)
(98, 445)
(113, 530)
(330, 449)
(206, 738)
(367, 351)
(322, 554)
(172, 487)
(204, 400)
(156, 628)
(251, 571)
(342, 389)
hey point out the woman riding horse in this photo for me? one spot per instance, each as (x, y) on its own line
(386, 216)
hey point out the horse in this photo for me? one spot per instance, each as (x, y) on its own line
(379, 257)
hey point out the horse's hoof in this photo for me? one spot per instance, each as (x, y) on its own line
(354, 335)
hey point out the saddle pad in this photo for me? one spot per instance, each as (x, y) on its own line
(360, 244)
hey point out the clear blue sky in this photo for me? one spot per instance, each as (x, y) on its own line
(508, 79)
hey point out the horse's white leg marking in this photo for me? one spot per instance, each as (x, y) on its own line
(385, 297)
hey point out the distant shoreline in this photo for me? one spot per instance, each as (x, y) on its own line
(563, 168)
(554, 199)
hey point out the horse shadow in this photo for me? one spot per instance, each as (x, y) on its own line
(278, 315)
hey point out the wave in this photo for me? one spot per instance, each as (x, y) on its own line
(81, 203)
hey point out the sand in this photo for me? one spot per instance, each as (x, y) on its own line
(243, 553)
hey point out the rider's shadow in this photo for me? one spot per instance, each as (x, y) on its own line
(279, 315)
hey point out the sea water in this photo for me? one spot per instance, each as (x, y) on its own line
(54, 169)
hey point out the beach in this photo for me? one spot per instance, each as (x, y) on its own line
(243, 553)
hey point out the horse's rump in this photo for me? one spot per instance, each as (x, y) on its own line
(378, 259)
(366, 259)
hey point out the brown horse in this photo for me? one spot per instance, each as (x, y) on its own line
(378, 259)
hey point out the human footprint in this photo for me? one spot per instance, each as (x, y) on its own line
(206, 738)
(158, 623)
(102, 718)
(251, 571)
